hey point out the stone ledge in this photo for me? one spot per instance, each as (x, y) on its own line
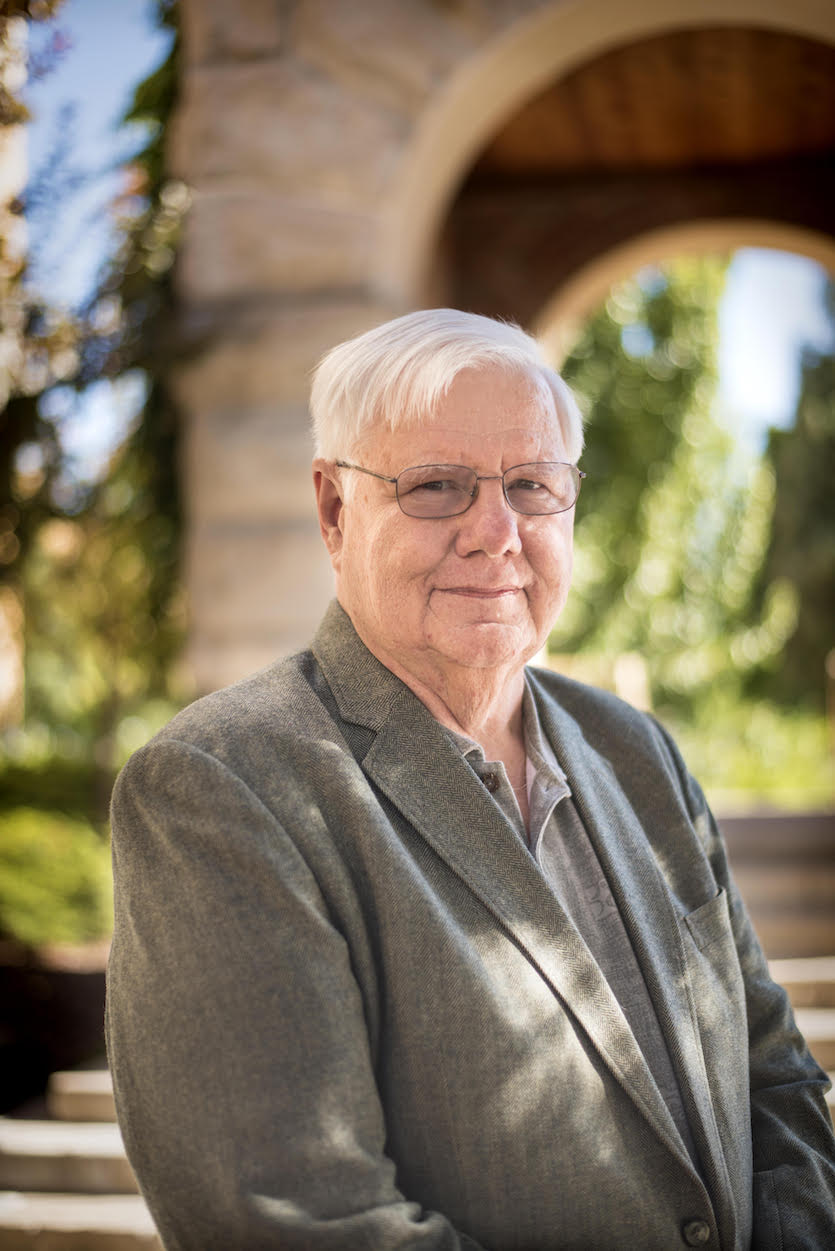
(810, 981)
(64, 1222)
(81, 1095)
(64, 1157)
(817, 1025)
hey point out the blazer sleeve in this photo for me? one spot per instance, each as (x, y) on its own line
(236, 1034)
(791, 1127)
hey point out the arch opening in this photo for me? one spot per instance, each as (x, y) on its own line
(493, 85)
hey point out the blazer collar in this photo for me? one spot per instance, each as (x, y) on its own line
(366, 692)
(413, 761)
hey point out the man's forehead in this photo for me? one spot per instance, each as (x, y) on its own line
(479, 404)
(430, 439)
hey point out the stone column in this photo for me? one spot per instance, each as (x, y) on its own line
(291, 132)
(285, 167)
(257, 573)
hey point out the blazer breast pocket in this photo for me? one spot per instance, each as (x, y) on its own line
(714, 971)
(711, 923)
(718, 997)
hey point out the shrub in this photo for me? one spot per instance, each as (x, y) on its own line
(751, 754)
(55, 881)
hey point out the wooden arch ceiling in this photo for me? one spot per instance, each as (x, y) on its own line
(694, 124)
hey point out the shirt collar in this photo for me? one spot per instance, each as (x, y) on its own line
(543, 767)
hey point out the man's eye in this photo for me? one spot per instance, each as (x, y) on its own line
(527, 484)
(436, 485)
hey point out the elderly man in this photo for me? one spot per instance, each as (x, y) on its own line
(416, 947)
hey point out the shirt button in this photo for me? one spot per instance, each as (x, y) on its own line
(491, 781)
(695, 1233)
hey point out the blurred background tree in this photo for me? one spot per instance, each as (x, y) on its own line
(801, 550)
(711, 561)
(89, 565)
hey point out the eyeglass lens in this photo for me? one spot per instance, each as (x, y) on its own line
(446, 490)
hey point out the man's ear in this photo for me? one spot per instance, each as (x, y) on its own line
(329, 503)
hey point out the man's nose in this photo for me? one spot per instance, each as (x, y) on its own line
(489, 525)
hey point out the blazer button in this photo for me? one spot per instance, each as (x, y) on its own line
(491, 781)
(695, 1233)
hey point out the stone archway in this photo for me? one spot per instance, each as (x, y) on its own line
(538, 49)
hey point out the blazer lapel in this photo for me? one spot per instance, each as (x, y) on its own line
(421, 771)
(415, 764)
(640, 891)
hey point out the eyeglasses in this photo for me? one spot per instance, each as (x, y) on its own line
(434, 491)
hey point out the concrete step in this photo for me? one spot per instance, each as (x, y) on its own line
(63, 1157)
(818, 1028)
(784, 865)
(66, 1222)
(810, 981)
(81, 1095)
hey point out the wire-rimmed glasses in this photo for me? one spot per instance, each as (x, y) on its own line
(537, 489)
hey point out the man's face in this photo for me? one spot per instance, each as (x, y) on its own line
(480, 590)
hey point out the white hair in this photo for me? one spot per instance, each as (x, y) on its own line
(395, 374)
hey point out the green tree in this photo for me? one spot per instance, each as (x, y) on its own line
(37, 345)
(802, 547)
(643, 362)
(674, 518)
(96, 562)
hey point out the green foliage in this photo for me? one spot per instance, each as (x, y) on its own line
(750, 753)
(154, 99)
(644, 364)
(102, 634)
(715, 565)
(674, 525)
(64, 785)
(96, 564)
(38, 343)
(54, 878)
(802, 547)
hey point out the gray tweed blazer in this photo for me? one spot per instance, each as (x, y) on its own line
(345, 1010)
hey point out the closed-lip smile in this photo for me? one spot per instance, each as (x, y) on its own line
(480, 592)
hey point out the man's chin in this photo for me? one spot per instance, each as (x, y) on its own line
(486, 644)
